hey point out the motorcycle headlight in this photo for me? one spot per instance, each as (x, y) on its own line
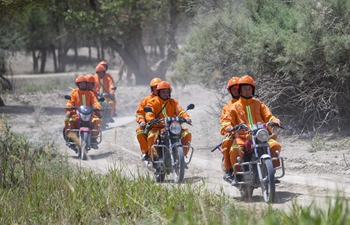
(175, 127)
(85, 117)
(262, 135)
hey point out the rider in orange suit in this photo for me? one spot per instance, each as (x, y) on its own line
(104, 84)
(82, 96)
(232, 88)
(141, 120)
(247, 110)
(164, 106)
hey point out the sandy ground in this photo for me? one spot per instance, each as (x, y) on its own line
(311, 176)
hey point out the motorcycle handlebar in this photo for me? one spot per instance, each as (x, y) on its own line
(216, 147)
(75, 107)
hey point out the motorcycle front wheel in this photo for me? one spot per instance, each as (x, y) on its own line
(178, 164)
(268, 182)
(84, 143)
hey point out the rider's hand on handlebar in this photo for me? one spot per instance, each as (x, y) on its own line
(188, 120)
(98, 115)
(275, 120)
(229, 129)
(153, 121)
(142, 123)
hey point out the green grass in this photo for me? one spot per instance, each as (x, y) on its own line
(321, 144)
(44, 84)
(39, 186)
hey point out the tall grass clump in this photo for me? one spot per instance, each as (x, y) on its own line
(39, 186)
(336, 212)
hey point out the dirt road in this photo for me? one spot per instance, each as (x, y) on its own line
(310, 176)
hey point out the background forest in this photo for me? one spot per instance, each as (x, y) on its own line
(297, 51)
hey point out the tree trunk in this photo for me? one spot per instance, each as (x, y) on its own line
(134, 56)
(171, 44)
(43, 60)
(35, 62)
(1, 102)
(8, 83)
(76, 55)
(53, 51)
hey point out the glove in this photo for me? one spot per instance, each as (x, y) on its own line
(275, 120)
(229, 129)
(142, 123)
(188, 120)
(152, 121)
(98, 115)
(68, 114)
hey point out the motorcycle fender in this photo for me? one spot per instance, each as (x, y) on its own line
(177, 144)
(84, 129)
(265, 156)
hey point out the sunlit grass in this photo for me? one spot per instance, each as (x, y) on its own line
(40, 186)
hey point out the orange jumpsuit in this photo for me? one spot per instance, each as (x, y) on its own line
(105, 85)
(78, 98)
(227, 142)
(248, 111)
(171, 109)
(140, 117)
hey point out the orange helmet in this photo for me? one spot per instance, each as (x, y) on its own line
(100, 68)
(80, 78)
(90, 78)
(155, 82)
(246, 79)
(90, 81)
(163, 85)
(231, 82)
(104, 63)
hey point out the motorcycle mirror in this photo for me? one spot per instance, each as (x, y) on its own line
(147, 109)
(67, 97)
(114, 88)
(190, 106)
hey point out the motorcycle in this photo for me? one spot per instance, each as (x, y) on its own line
(83, 133)
(107, 110)
(170, 150)
(257, 166)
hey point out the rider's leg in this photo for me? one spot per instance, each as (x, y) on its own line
(275, 146)
(225, 149)
(151, 140)
(70, 136)
(142, 139)
(186, 138)
(235, 151)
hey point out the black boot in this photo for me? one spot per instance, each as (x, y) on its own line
(94, 143)
(228, 176)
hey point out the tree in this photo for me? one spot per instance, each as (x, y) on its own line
(297, 51)
(128, 20)
(11, 13)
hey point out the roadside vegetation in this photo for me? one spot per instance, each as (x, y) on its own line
(39, 186)
(297, 52)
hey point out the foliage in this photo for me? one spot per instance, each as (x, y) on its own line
(298, 53)
(18, 157)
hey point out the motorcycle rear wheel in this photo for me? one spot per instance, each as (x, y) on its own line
(268, 186)
(84, 141)
(178, 164)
